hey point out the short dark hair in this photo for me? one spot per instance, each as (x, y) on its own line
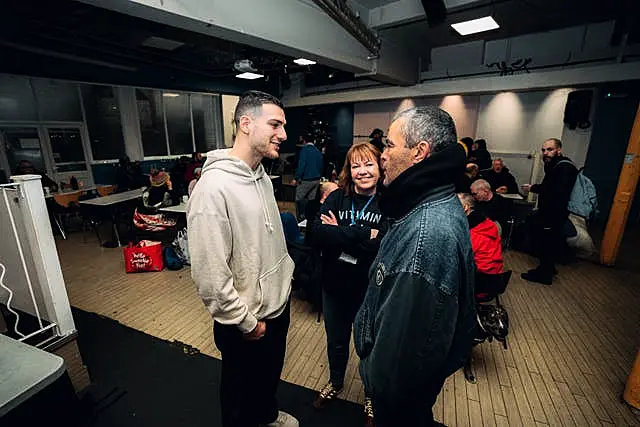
(430, 124)
(555, 141)
(250, 102)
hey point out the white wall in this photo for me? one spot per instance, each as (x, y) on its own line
(514, 123)
(371, 115)
(519, 122)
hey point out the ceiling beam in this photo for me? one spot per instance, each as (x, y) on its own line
(403, 12)
(568, 77)
(292, 28)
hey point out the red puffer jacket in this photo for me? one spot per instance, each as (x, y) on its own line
(486, 244)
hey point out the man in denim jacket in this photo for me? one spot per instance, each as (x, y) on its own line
(416, 324)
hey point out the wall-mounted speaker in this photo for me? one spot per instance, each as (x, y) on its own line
(435, 10)
(576, 112)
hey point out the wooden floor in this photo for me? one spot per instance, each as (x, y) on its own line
(571, 345)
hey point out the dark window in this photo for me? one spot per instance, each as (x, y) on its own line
(103, 122)
(178, 122)
(149, 102)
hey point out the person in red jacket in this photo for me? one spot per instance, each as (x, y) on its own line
(485, 239)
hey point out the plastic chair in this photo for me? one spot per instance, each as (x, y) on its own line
(64, 206)
(105, 190)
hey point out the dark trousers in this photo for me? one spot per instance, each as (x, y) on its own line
(416, 411)
(549, 242)
(251, 372)
(551, 246)
(340, 309)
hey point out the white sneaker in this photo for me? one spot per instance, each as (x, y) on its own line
(284, 420)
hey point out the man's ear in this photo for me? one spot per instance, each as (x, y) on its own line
(421, 151)
(245, 124)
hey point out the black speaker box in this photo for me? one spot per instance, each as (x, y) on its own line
(576, 112)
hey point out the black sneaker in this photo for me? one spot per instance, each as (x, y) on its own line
(535, 276)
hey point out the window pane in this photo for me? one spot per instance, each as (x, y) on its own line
(149, 104)
(57, 101)
(103, 122)
(206, 120)
(178, 122)
(16, 99)
(66, 145)
(23, 144)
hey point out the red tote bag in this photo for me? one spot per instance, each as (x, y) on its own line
(145, 256)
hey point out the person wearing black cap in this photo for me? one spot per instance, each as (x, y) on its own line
(376, 139)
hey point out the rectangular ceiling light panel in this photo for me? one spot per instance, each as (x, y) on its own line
(249, 76)
(302, 61)
(475, 26)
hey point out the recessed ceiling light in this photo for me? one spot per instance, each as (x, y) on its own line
(302, 61)
(249, 76)
(475, 26)
(170, 95)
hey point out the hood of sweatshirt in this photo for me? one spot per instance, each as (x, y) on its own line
(223, 161)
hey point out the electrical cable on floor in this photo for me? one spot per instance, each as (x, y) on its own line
(2, 285)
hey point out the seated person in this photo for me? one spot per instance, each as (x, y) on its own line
(25, 167)
(290, 227)
(463, 184)
(480, 155)
(491, 205)
(197, 172)
(500, 178)
(485, 242)
(155, 197)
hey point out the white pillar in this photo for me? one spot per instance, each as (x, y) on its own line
(46, 263)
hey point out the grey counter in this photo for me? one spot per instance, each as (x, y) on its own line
(24, 371)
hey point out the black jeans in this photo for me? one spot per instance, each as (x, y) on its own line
(340, 308)
(416, 411)
(550, 244)
(251, 372)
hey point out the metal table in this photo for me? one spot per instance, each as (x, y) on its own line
(110, 202)
(24, 371)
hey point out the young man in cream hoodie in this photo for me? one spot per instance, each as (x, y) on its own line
(240, 264)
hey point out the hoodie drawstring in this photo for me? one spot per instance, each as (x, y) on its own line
(267, 220)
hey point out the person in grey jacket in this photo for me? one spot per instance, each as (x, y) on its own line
(416, 324)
